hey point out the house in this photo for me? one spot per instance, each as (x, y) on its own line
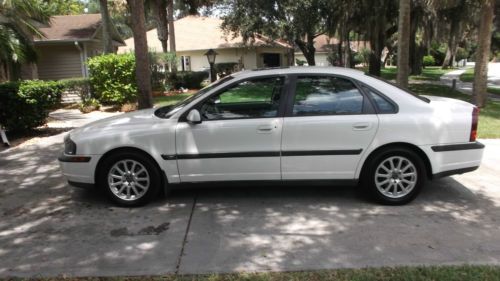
(324, 46)
(195, 35)
(67, 44)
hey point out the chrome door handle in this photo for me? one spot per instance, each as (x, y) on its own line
(265, 129)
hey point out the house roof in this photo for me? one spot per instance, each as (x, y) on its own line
(74, 28)
(201, 33)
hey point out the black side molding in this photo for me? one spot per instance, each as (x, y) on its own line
(262, 154)
(74, 158)
(454, 172)
(454, 147)
(321, 152)
(81, 184)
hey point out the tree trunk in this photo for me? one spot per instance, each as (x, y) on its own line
(162, 23)
(107, 41)
(452, 43)
(403, 43)
(171, 28)
(479, 87)
(142, 70)
(307, 49)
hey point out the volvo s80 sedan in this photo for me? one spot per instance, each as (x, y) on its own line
(334, 125)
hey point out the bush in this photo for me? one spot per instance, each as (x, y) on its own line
(89, 105)
(80, 86)
(187, 79)
(429, 61)
(26, 105)
(225, 68)
(113, 78)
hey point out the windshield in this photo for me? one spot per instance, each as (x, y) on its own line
(169, 110)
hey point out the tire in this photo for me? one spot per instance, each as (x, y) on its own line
(130, 179)
(397, 184)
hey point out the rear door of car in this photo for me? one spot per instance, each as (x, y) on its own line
(329, 123)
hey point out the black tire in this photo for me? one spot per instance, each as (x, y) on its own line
(150, 167)
(368, 176)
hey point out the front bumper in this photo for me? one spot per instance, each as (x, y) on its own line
(78, 169)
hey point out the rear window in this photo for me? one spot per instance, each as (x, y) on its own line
(424, 99)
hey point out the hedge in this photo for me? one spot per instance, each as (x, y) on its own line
(112, 78)
(187, 79)
(25, 105)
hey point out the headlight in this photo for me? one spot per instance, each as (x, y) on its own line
(69, 146)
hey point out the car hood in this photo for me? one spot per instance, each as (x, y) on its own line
(127, 121)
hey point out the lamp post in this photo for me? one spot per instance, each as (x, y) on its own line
(211, 54)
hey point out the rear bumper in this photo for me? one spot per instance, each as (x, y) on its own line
(451, 159)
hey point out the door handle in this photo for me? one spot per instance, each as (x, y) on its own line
(361, 126)
(265, 128)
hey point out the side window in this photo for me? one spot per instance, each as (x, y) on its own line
(383, 105)
(324, 95)
(257, 98)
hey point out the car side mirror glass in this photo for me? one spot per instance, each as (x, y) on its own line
(194, 117)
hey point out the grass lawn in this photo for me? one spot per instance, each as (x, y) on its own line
(420, 273)
(431, 73)
(468, 75)
(489, 117)
(162, 101)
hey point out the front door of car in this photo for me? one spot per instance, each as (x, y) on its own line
(328, 125)
(239, 136)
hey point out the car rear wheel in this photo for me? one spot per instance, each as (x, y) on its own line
(394, 176)
(130, 178)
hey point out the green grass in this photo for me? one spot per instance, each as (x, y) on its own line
(489, 117)
(468, 75)
(495, 91)
(418, 273)
(430, 73)
(162, 101)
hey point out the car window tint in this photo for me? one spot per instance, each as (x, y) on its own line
(383, 105)
(326, 96)
(258, 98)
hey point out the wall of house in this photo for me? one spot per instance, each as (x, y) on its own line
(251, 58)
(58, 62)
(321, 58)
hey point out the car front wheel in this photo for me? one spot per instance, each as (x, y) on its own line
(130, 179)
(395, 176)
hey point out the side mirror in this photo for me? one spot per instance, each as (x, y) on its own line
(194, 117)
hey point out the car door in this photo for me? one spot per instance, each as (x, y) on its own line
(239, 137)
(328, 125)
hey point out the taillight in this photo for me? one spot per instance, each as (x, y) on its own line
(475, 120)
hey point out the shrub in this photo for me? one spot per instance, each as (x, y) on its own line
(429, 61)
(225, 68)
(113, 78)
(26, 105)
(187, 79)
(80, 86)
(89, 105)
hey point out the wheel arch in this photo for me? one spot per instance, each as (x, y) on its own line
(409, 146)
(113, 151)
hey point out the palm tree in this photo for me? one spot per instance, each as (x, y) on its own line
(403, 43)
(18, 27)
(142, 72)
(483, 52)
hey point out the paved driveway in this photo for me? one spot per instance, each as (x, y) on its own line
(48, 228)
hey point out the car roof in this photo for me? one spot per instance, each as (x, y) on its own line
(298, 70)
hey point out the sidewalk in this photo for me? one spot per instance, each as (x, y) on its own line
(466, 87)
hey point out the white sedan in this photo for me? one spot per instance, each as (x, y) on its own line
(306, 124)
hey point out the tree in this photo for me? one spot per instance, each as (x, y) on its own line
(19, 21)
(64, 7)
(403, 43)
(171, 27)
(483, 52)
(107, 40)
(297, 22)
(160, 11)
(142, 72)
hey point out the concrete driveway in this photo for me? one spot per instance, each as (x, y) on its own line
(48, 228)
